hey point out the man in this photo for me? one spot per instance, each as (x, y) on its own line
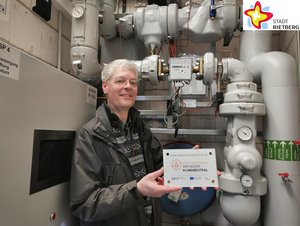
(117, 164)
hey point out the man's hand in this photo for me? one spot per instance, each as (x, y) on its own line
(152, 185)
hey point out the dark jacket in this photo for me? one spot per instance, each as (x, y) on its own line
(103, 191)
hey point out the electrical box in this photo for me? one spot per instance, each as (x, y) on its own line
(41, 107)
(180, 69)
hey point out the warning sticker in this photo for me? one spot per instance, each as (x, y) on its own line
(91, 95)
(9, 61)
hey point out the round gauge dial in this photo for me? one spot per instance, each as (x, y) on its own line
(78, 11)
(246, 180)
(244, 133)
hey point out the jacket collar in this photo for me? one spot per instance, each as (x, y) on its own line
(107, 120)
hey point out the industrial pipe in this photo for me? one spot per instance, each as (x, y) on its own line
(241, 181)
(278, 75)
(85, 40)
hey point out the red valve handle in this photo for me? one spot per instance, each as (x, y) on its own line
(283, 174)
(297, 142)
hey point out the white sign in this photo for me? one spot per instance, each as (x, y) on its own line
(9, 61)
(189, 103)
(271, 15)
(190, 167)
(91, 95)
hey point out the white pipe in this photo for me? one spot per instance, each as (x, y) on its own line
(277, 71)
(280, 89)
(240, 210)
(85, 41)
(108, 29)
(298, 53)
(154, 23)
(151, 25)
(236, 71)
(253, 43)
(59, 40)
(199, 27)
(240, 202)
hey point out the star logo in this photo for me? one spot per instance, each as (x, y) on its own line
(257, 15)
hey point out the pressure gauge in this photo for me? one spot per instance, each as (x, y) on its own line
(244, 133)
(78, 10)
(246, 180)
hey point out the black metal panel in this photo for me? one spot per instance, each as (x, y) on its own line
(158, 2)
(51, 158)
(43, 9)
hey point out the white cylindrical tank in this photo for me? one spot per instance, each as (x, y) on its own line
(85, 40)
(280, 89)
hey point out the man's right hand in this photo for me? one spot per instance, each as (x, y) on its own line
(152, 185)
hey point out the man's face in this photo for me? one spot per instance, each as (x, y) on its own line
(121, 90)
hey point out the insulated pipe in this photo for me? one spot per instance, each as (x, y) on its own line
(235, 71)
(241, 180)
(85, 41)
(253, 43)
(155, 23)
(201, 27)
(59, 40)
(278, 74)
(151, 25)
(108, 28)
(280, 89)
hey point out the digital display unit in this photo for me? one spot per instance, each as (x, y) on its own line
(51, 158)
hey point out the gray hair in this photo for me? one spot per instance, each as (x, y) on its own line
(109, 69)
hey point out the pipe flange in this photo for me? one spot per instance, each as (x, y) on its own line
(242, 108)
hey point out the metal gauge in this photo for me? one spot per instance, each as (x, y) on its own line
(78, 11)
(244, 133)
(246, 180)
